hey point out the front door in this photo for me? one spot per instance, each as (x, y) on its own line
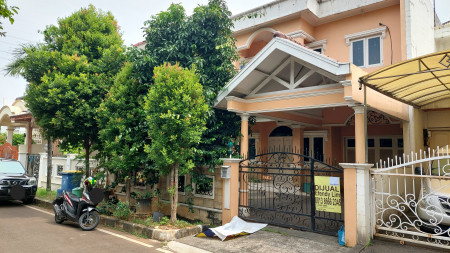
(280, 143)
(314, 147)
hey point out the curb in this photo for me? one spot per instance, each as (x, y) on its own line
(179, 247)
(43, 203)
(151, 233)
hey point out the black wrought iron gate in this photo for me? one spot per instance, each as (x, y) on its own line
(279, 188)
(33, 165)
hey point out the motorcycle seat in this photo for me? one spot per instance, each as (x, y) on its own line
(73, 197)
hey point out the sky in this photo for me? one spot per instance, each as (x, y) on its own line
(35, 15)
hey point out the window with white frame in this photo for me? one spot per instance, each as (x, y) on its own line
(366, 48)
(204, 186)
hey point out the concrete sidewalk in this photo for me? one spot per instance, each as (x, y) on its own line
(281, 240)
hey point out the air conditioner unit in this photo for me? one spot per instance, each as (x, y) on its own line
(225, 172)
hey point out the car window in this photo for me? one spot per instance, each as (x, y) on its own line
(11, 167)
(440, 167)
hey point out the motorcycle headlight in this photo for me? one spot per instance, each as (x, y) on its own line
(32, 181)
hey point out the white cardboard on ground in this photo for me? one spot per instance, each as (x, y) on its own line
(236, 226)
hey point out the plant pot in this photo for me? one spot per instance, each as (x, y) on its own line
(145, 206)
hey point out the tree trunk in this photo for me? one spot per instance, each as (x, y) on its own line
(174, 197)
(49, 163)
(87, 148)
(128, 189)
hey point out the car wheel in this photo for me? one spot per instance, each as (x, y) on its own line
(58, 219)
(28, 201)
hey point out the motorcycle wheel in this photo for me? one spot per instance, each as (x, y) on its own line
(58, 220)
(88, 223)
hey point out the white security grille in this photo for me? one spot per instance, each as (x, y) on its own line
(411, 196)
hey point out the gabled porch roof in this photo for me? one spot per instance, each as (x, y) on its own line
(283, 67)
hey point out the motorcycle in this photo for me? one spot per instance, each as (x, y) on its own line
(81, 210)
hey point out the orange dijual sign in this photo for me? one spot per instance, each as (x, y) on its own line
(327, 194)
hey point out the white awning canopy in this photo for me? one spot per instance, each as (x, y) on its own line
(417, 82)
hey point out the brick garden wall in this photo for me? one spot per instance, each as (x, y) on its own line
(206, 208)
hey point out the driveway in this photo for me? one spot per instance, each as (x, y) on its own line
(33, 229)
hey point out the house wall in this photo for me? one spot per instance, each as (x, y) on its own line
(442, 37)
(68, 163)
(337, 130)
(419, 28)
(438, 125)
(206, 209)
(334, 32)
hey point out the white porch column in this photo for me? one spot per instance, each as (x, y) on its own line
(244, 138)
(10, 133)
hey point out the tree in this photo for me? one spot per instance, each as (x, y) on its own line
(6, 12)
(18, 139)
(123, 127)
(176, 115)
(70, 74)
(206, 40)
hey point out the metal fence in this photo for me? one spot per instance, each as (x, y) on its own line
(411, 196)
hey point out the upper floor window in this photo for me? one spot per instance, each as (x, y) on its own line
(318, 46)
(366, 47)
(367, 52)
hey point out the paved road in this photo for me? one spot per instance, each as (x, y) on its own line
(33, 229)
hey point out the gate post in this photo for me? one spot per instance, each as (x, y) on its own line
(357, 203)
(230, 200)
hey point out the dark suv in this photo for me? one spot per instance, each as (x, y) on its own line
(14, 183)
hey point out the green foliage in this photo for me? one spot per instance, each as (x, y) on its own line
(18, 139)
(44, 194)
(122, 211)
(204, 39)
(177, 113)
(164, 221)
(6, 12)
(142, 195)
(123, 127)
(69, 75)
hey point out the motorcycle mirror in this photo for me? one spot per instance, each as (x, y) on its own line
(96, 195)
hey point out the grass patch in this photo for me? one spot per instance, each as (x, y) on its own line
(43, 194)
(164, 223)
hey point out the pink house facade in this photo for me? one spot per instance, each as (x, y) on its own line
(304, 91)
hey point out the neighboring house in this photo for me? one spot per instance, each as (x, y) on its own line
(300, 79)
(17, 115)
